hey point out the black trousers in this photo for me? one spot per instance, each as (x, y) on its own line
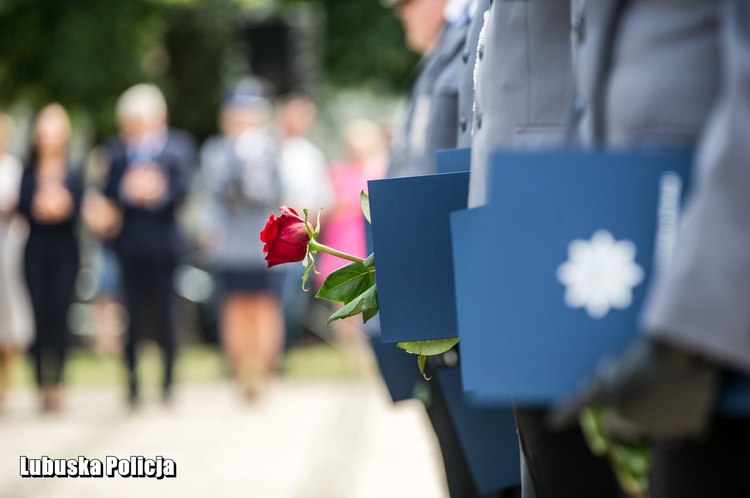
(50, 268)
(560, 464)
(150, 297)
(460, 481)
(718, 466)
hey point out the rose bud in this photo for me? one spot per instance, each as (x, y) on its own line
(285, 238)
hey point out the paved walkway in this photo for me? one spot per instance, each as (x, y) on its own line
(305, 439)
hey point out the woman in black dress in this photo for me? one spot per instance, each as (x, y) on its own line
(50, 198)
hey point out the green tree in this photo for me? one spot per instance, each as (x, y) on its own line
(84, 53)
(198, 41)
(364, 43)
(81, 53)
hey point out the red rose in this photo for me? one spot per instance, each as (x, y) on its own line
(285, 238)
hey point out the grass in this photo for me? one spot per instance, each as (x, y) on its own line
(194, 364)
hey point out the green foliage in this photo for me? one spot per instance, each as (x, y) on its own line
(347, 283)
(364, 202)
(430, 347)
(85, 53)
(364, 43)
(631, 462)
(81, 53)
(366, 303)
(198, 39)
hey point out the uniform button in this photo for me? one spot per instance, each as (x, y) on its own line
(578, 28)
(480, 52)
(465, 55)
(463, 123)
(479, 119)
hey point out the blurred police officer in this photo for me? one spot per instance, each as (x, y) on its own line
(657, 72)
(437, 29)
(426, 125)
(524, 88)
(429, 123)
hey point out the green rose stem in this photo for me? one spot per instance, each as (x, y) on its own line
(318, 247)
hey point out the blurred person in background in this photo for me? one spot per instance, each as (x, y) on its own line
(303, 167)
(16, 327)
(366, 158)
(239, 170)
(428, 123)
(150, 167)
(50, 196)
(306, 185)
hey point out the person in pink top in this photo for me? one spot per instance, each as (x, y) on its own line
(344, 226)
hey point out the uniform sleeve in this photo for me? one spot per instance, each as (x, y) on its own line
(703, 300)
(214, 171)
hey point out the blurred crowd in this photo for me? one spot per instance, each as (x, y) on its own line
(118, 229)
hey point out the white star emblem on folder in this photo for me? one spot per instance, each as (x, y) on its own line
(600, 274)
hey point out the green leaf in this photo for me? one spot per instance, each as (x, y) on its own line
(370, 261)
(349, 309)
(421, 360)
(592, 427)
(369, 303)
(366, 303)
(347, 283)
(630, 462)
(364, 202)
(429, 347)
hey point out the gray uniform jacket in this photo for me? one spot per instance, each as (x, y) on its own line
(466, 81)
(668, 72)
(430, 123)
(243, 186)
(524, 82)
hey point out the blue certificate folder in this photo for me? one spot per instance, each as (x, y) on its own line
(561, 230)
(413, 254)
(487, 435)
(521, 340)
(453, 160)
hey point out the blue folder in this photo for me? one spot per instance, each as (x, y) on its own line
(411, 238)
(487, 435)
(453, 160)
(398, 369)
(531, 327)
(528, 264)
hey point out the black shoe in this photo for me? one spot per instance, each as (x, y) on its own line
(654, 390)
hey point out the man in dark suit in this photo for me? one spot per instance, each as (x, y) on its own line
(149, 175)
